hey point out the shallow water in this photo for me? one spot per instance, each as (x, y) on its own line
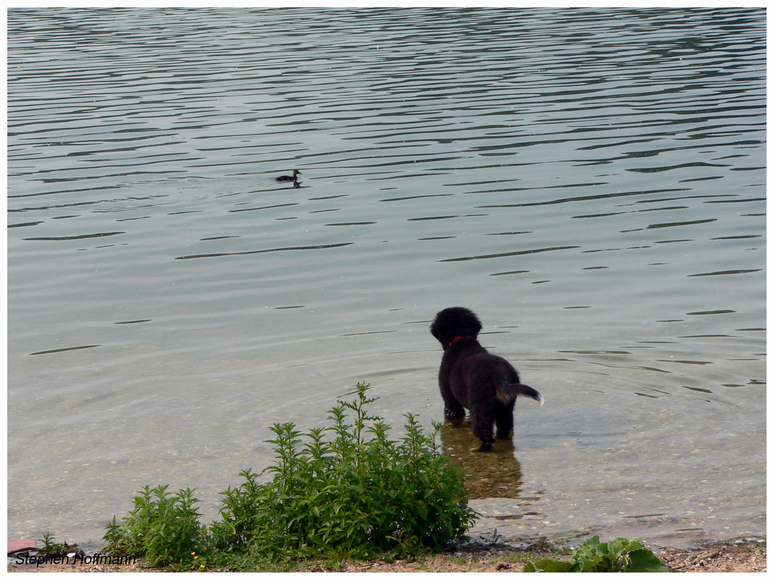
(590, 182)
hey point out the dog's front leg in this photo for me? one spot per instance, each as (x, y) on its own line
(453, 410)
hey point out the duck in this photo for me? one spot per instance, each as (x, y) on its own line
(292, 178)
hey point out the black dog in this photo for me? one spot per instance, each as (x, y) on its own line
(472, 378)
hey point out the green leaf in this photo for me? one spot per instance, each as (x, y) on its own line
(644, 561)
(551, 566)
(590, 563)
(623, 546)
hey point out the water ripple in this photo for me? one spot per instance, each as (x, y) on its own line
(249, 252)
(504, 254)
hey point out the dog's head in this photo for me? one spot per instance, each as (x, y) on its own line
(454, 322)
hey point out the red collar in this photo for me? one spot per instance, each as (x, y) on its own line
(458, 338)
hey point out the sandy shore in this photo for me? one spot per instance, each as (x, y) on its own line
(730, 557)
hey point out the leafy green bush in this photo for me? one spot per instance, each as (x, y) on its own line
(357, 494)
(618, 555)
(162, 527)
(50, 547)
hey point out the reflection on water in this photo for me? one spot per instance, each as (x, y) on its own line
(591, 182)
(493, 474)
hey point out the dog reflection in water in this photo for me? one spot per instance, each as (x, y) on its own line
(493, 475)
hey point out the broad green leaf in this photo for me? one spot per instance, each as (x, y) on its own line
(550, 566)
(643, 560)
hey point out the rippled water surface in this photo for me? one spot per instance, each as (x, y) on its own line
(590, 182)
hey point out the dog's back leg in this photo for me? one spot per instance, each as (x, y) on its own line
(482, 418)
(504, 419)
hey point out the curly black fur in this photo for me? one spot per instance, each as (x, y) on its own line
(472, 378)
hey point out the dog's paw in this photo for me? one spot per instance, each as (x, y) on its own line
(486, 446)
(454, 414)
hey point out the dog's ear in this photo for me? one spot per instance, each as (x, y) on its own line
(471, 323)
(436, 327)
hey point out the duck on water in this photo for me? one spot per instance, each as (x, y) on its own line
(292, 178)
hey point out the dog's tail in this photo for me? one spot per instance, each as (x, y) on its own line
(508, 392)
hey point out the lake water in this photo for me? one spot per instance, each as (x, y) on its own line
(590, 182)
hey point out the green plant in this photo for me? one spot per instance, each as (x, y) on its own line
(239, 515)
(162, 527)
(618, 555)
(356, 495)
(348, 492)
(50, 547)
(495, 537)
